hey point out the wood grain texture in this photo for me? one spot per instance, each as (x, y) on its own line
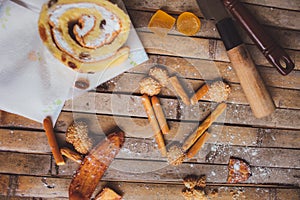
(210, 70)
(253, 85)
(227, 135)
(131, 190)
(201, 48)
(287, 38)
(125, 105)
(127, 83)
(271, 145)
(31, 164)
(270, 16)
(190, 5)
(161, 172)
(4, 184)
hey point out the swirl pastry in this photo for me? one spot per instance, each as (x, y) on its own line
(86, 35)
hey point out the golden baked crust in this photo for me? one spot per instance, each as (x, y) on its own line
(77, 134)
(86, 35)
(238, 170)
(218, 91)
(160, 74)
(149, 86)
(108, 194)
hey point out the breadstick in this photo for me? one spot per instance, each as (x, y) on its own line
(153, 121)
(71, 154)
(198, 145)
(179, 90)
(48, 126)
(199, 94)
(160, 115)
(205, 125)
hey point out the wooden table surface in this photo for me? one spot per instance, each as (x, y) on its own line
(271, 145)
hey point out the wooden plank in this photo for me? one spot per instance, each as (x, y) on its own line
(290, 5)
(18, 163)
(34, 142)
(27, 141)
(207, 49)
(45, 187)
(32, 186)
(129, 83)
(212, 152)
(190, 5)
(286, 38)
(216, 154)
(287, 19)
(125, 105)
(15, 198)
(4, 184)
(283, 194)
(209, 70)
(265, 15)
(161, 172)
(11, 120)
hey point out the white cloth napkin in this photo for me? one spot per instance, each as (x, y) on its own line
(33, 83)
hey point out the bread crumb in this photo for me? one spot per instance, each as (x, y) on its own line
(149, 86)
(238, 170)
(160, 74)
(108, 194)
(190, 181)
(187, 194)
(175, 155)
(218, 91)
(77, 135)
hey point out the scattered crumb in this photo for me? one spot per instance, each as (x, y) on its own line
(187, 194)
(201, 182)
(199, 194)
(149, 86)
(214, 193)
(160, 74)
(175, 155)
(237, 194)
(190, 181)
(108, 194)
(238, 170)
(194, 187)
(77, 134)
(218, 91)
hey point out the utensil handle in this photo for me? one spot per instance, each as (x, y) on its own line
(254, 88)
(271, 50)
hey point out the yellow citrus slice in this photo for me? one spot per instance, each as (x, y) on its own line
(161, 23)
(188, 23)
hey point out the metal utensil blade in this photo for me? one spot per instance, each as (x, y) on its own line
(212, 9)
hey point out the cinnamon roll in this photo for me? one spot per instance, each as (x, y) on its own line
(86, 35)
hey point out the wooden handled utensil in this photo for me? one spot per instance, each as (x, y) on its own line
(254, 88)
(267, 45)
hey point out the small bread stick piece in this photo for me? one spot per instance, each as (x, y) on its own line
(205, 125)
(199, 94)
(108, 194)
(155, 126)
(198, 145)
(160, 116)
(48, 126)
(71, 154)
(179, 90)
